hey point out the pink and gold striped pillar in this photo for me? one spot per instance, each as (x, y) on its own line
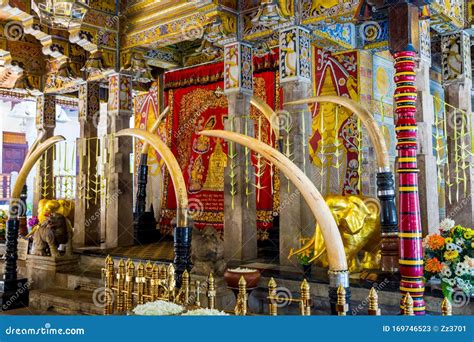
(410, 236)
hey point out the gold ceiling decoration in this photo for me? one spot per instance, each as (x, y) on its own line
(269, 14)
(60, 14)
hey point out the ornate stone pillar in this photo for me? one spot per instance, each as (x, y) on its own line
(45, 122)
(240, 222)
(425, 118)
(403, 43)
(295, 128)
(456, 70)
(87, 210)
(118, 208)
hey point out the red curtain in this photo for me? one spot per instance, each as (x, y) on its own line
(196, 102)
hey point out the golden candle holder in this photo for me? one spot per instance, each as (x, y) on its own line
(446, 307)
(373, 303)
(139, 285)
(304, 301)
(341, 306)
(241, 304)
(408, 305)
(211, 292)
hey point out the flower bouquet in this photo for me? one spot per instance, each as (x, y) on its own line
(32, 221)
(3, 224)
(204, 312)
(448, 257)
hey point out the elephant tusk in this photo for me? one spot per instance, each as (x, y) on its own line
(268, 112)
(30, 161)
(154, 128)
(173, 167)
(335, 248)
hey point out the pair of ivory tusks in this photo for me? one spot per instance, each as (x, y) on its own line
(172, 166)
(335, 248)
(375, 134)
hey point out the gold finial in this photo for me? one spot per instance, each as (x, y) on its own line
(155, 282)
(408, 305)
(241, 304)
(120, 285)
(373, 303)
(305, 308)
(446, 307)
(211, 292)
(242, 282)
(141, 281)
(272, 305)
(341, 305)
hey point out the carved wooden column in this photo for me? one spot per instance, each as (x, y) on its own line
(295, 129)
(119, 203)
(45, 122)
(403, 42)
(240, 222)
(87, 210)
(457, 80)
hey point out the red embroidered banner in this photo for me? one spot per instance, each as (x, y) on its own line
(197, 104)
(333, 145)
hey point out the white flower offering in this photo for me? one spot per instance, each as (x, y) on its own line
(158, 308)
(204, 312)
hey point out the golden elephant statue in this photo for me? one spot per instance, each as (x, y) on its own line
(62, 207)
(359, 224)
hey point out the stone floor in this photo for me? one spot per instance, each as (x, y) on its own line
(79, 291)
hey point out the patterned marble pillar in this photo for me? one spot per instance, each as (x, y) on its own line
(457, 80)
(45, 122)
(296, 220)
(240, 222)
(87, 210)
(403, 42)
(119, 201)
(425, 118)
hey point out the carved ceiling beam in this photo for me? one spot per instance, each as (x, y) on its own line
(8, 12)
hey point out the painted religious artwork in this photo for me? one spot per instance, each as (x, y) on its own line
(334, 144)
(238, 68)
(202, 159)
(383, 73)
(456, 56)
(295, 55)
